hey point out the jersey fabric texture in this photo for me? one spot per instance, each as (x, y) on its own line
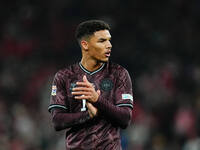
(99, 132)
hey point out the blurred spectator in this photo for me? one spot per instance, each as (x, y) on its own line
(158, 42)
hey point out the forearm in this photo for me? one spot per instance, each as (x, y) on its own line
(119, 115)
(62, 120)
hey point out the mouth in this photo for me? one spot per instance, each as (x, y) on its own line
(107, 54)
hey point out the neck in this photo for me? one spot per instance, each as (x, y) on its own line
(91, 65)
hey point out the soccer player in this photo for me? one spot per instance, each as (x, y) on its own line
(92, 99)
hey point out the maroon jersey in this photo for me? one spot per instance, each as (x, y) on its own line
(114, 106)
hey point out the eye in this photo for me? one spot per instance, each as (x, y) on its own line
(102, 40)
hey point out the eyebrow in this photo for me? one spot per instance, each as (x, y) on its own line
(104, 39)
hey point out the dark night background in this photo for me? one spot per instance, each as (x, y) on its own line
(157, 41)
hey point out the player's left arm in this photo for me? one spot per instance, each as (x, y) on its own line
(121, 111)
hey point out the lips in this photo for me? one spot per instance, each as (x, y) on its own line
(108, 54)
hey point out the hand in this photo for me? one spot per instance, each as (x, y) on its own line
(91, 109)
(85, 90)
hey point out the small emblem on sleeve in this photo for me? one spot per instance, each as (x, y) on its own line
(127, 96)
(106, 84)
(53, 91)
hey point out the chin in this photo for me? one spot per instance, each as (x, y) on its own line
(104, 60)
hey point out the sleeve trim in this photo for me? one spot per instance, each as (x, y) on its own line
(124, 105)
(56, 106)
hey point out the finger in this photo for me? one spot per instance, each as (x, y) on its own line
(82, 83)
(85, 79)
(98, 92)
(87, 84)
(81, 93)
(82, 97)
(81, 89)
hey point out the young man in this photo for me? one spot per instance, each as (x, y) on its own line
(92, 99)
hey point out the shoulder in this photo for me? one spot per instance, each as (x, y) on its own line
(121, 75)
(117, 68)
(67, 71)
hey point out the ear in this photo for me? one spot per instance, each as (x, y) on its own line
(84, 44)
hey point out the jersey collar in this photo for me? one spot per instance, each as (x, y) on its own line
(89, 72)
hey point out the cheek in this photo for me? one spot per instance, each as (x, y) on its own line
(99, 48)
(99, 52)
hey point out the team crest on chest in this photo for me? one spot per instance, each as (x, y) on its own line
(106, 84)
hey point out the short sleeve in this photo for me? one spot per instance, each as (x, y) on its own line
(123, 90)
(58, 93)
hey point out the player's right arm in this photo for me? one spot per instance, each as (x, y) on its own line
(61, 117)
(62, 120)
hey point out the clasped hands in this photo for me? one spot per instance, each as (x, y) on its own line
(85, 90)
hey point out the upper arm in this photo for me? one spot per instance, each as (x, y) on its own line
(123, 90)
(58, 93)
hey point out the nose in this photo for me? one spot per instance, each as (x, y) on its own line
(108, 45)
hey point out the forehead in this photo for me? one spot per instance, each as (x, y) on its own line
(102, 34)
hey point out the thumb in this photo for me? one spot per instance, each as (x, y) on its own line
(85, 78)
(98, 92)
(88, 104)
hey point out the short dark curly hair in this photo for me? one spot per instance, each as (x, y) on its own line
(87, 28)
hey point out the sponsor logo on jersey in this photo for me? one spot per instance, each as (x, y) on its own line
(53, 91)
(127, 96)
(106, 84)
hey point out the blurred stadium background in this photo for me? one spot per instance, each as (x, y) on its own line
(157, 41)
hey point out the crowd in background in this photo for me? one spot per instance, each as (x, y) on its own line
(157, 41)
